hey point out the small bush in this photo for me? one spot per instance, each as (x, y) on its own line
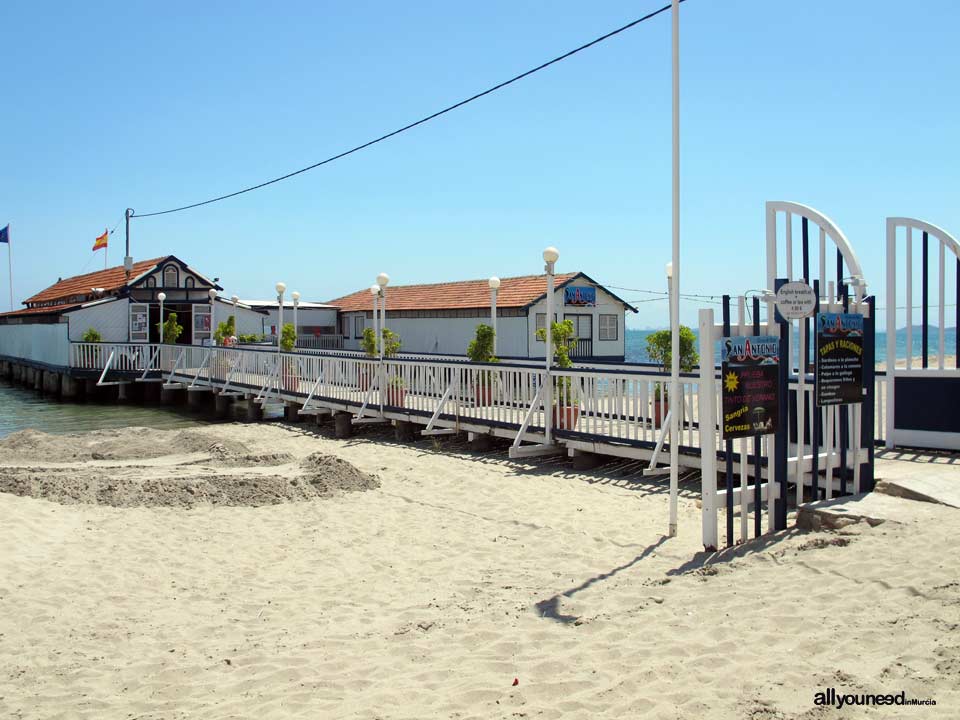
(91, 336)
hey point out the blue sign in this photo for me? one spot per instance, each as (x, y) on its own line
(580, 296)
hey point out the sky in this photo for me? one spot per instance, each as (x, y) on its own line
(850, 107)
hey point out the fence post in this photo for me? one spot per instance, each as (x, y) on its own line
(869, 407)
(782, 442)
(708, 432)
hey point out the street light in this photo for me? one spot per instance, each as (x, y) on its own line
(375, 292)
(236, 318)
(213, 309)
(161, 297)
(281, 288)
(494, 284)
(550, 257)
(296, 304)
(382, 280)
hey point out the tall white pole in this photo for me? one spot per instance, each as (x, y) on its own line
(281, 287)
(296, 328)
(213, 315)
(10, 265)
(493, 318)
(675, 284)
(550, 257)
(383, 317)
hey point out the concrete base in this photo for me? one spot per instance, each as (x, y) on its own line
(343, 425)
(873, 508)
(254, 411)
(172, 396)
(588, 460)
(291, 412)
(123, 393)
(70, 388)
(222, 406)
(151, 393)
(51, 383)
(322, 418)
(405, 431)
(935, 488)
(480, 443)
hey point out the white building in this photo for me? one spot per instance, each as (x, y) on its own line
(121, 309)
(442, 318)
(316, 322)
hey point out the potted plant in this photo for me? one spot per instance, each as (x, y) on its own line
(288, 370)
(566, 405)
(391, 346)
(659, 351)
(480, 350)
(92, 357)
(396, 391)
(170, 331)
(225, 332)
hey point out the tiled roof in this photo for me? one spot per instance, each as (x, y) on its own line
(513, 292)
(110, 279)
(49, 309)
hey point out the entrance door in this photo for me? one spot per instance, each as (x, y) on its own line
(583, 331)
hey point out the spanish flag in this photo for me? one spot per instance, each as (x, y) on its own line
(101, 242)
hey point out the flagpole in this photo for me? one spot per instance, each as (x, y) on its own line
(10, 265)
(106, 250)
(674, 394)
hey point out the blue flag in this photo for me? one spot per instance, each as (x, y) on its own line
(5, 235)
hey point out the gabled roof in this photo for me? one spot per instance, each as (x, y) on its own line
(515, 292)
(111, 279)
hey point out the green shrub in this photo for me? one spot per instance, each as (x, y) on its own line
(91, 336)
(480, 349)
(170, 330)
(225, 330)
(391, 342)
(288, 337)
(659, 350)
(563, 339)
(251, 338)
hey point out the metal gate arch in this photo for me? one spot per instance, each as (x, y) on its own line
(928, 395)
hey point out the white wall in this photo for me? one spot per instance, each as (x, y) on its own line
(450, 336)
(249, 322)
(306, 317)
(110, 319)
(606, 305)
(46, 343)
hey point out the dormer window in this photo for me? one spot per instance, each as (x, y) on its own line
(171, 278)
(189, 283)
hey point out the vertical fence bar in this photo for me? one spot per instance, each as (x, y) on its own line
(924, 303)
(757, 465)
(815, 410)
(891, 363)
(941, 363)
(844, 431)
(868, 432)
(708, 433)
(728, 444)
(783, 432)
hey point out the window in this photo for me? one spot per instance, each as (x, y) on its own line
(358, 326)
(189, 283)
(582, 326)
(139, 323)
(542, 322)
(608, 327)
(171, 278)
(151, 281)
(345, 326)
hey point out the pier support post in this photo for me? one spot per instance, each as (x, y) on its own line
(480, 442)
(123, 392)
(151, 393)
(291, 412)
(583, 460)
(222, 405)
(405, 431)
(343, 425)
(69, 387)
(322, 418)
(172, 396)
(38, 380)
(254, 411)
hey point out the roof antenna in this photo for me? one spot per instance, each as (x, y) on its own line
(127, 260)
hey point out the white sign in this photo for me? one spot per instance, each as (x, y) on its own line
(796, 300)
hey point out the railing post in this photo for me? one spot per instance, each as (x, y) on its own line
(708, 433)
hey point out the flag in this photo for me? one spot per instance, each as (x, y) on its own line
(5, 235)
(101, 242)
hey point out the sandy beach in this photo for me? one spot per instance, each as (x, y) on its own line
(370, 579)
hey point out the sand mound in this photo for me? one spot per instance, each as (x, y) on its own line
(72, 487)
(132, 444)
(327, 473)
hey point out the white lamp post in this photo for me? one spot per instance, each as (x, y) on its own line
(281, 288)
(375, 292)
(213, 308)
(236, 318)
(494, 284)
(675, 277)
(550, 257)
(161, 297)
(382, 281)
(296, 328)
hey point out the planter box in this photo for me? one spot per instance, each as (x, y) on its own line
(396, 396)
(565, 417)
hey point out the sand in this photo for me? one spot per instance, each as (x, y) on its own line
(463, 586)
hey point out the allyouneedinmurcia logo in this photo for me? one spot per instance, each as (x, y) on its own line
(839, 700)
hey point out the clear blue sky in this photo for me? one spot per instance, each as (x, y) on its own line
(847, 106)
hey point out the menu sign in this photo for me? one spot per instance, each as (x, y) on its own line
(750, 371)
(839, 358)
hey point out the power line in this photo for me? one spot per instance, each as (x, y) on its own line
(421, 121)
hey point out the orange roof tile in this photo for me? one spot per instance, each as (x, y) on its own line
(41, 310)
(110, 279)
(513, 292)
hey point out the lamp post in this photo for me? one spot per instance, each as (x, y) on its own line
(161, 297)
(382, 281)
(672, 397)
(236, 318)
(375, 292)
(213, 309)
(494, 284)
(296, 328)
(550, 257)
(281, 288)
(675, 276)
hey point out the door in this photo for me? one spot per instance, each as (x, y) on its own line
(583, 331)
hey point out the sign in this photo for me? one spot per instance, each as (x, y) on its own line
(839, 359)
(139, 323)
(795, 301)
(580, 296)
(750, 371)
